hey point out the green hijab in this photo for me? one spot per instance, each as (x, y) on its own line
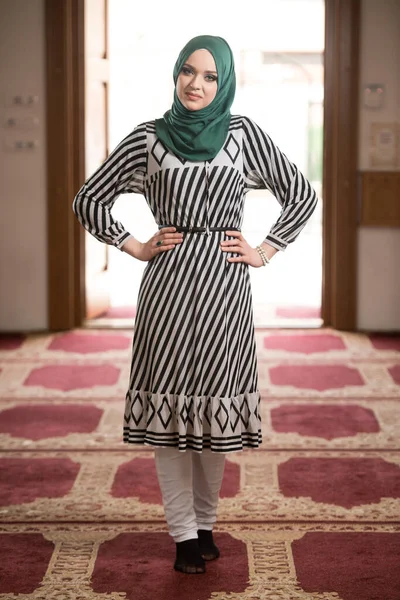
(199, 135)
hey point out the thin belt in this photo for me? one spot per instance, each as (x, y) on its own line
(199, 229)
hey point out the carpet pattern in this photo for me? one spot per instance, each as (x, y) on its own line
(313, 514)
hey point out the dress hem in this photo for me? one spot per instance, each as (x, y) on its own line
(182, 443)
(224, 424)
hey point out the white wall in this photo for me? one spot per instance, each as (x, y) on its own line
(378, 247)
(23, 242)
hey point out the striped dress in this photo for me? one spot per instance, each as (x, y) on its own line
(194, 380)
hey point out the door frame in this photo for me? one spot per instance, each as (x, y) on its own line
(66, 151)
(65, 85)
(340, 163)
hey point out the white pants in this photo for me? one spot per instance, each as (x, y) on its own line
(190, 483)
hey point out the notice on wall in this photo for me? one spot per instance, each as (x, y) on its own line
(384, 145)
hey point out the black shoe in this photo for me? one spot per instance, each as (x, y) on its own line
(208, 549)
(188, 558)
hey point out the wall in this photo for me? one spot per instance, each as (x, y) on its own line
(379, 248)
(23, 242)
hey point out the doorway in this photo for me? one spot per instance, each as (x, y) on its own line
(67, 144)
(280, 84)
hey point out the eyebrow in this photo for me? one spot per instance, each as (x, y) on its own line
(192, 67)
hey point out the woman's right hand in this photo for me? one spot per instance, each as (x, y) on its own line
(168, 236)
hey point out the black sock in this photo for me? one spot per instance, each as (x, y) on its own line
(188, 557)
(208, 549)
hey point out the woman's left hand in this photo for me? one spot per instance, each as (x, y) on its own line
(248, 254)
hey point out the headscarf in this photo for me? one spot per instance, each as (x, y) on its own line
(199, 135)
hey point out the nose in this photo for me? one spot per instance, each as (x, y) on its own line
(195, 83)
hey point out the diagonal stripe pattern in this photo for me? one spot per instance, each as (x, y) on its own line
(194, 379)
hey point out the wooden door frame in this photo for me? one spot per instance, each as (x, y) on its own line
(340, 164)
(66, 151)
(65, 77)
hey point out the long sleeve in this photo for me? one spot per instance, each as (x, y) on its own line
(266, 167)
(122, 172)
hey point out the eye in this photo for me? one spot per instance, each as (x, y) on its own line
(187, 71)
(211, 78)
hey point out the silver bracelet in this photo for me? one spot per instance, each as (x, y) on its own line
(264, 257)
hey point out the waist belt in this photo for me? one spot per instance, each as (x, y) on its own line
(199, 229)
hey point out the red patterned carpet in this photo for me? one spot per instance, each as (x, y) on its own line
(313, 514)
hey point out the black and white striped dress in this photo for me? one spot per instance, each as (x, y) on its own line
(194, 379)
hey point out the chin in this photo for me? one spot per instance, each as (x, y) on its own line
(188, 104)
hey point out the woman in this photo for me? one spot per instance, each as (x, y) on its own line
(193, 388)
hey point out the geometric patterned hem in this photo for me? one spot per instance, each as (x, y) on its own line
(193, 422)
(183, 443)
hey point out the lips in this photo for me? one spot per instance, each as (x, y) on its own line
(192, 96)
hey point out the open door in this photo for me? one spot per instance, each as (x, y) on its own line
(96, 144)
(70, 157)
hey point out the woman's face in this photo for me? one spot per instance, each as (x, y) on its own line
(197, 82)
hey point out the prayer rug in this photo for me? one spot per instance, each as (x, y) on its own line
(313, 514)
